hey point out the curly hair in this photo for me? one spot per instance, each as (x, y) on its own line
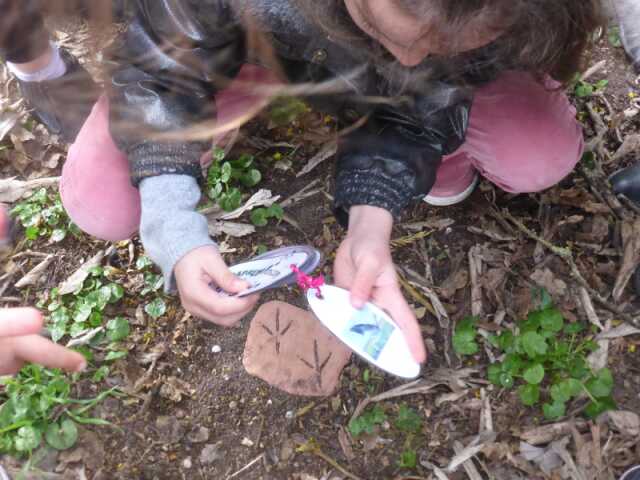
(544, 37)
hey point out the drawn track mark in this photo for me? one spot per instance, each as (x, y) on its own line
(277, 335)
(318, 366)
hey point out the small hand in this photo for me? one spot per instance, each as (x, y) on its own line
(20, 343)
(364, 265)
(201, 267)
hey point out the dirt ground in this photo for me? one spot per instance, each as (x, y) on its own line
(161, 432)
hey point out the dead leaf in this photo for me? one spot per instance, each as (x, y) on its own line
(630, 146)
(233, 229)
(547, 280)
(77, 278)
(328, 151)
(630, 232)
(545, 458)
(548, 433)
(457, 280)
(35, 275)
(345, 444)
(627, 423)
(12, 190)
(623, 330)
(7, 122)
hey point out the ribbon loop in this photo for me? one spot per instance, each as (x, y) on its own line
(307, 282)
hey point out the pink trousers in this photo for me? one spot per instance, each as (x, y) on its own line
(522, 136)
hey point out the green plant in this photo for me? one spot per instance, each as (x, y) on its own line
(42, 215)
(366, 422)
(614, 37)
(408, 459)
(408, 420)
(285, 110)
(225, 176)
(545, 358)
(37, 405)
(464, 337)
(260, 216)
(584, 89)
(153, 282)
(74, 314)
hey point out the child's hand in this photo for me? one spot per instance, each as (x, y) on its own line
(20, 343)
(195, 271)
(364, 265)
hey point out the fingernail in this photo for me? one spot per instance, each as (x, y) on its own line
(82, 367)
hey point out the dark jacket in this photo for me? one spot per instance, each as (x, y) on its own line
(165, 71)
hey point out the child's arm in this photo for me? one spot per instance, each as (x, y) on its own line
(166, 68)
(381, 168)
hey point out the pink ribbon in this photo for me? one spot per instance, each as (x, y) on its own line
(307, 282)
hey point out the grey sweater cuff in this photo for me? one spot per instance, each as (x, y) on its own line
(170, 227)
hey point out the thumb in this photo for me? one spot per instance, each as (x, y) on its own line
(365, 277)
(224, 278)
(16, 322)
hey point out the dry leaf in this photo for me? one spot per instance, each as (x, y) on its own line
(546, 279)
(77, 278)
(627, 423)
(12, 190)
(328, 151)
(35, 275)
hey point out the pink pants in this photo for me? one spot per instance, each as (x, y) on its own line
(522, 136)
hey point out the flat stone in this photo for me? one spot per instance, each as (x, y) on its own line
(211, 453)
(290, 349)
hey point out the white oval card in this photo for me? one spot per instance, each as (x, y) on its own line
(265, 273)
(369, 332)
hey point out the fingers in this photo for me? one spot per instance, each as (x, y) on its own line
(405, 319)
(214, 266)
(205, 303)
(37, 349)
(4, 224)
(19, 321)
(367, 272)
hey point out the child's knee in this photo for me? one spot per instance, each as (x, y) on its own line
(95, 187)
(538, 163)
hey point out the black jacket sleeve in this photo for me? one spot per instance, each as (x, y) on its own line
(394, 157)
(165, 68)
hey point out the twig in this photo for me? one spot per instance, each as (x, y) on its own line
(567, 256)
(247, 466)
(415, 294)
(592, 70)
(312, 447)
(301, 194)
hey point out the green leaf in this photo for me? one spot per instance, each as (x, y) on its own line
(115, 355)
(58, 330)
(100, 374)
(57, 235)
(276, 211)
(512, 363)
(506, 379)
(156, 308)
(566, 389)
(408, 459)
(259, 217)
(244, 161)
(143, 262)
(551, 319)
(601, 385)
(117, 292)
(408, 420)
(493, 373)
(599, 406)
(95, 319)
(251, 177)
(543, 297)
(573, 328)
(534, 374)
(534, 344)
(614, 37)
(32, 233)
(505, 341)
(600, 84)
(215, 191)
(231, 200)
(583, 90)
(553, 410)
(117, 329)
(464, 337)
(225, 172)
(529, 394)
(217, 154)
(63, 435)
(366, 422)
(27, 438)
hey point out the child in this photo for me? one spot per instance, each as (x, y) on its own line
(443, 90)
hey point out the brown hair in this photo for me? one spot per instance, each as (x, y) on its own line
(544, 37)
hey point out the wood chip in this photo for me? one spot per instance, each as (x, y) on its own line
(77, 278)
(328, 151)
(630, 232)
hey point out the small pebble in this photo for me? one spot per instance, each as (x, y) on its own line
(216, 349)
(233, 404)
(186, 463)
(289, 415)
(247, 442)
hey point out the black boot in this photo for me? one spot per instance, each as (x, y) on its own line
(63, 104)
(628, 12)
